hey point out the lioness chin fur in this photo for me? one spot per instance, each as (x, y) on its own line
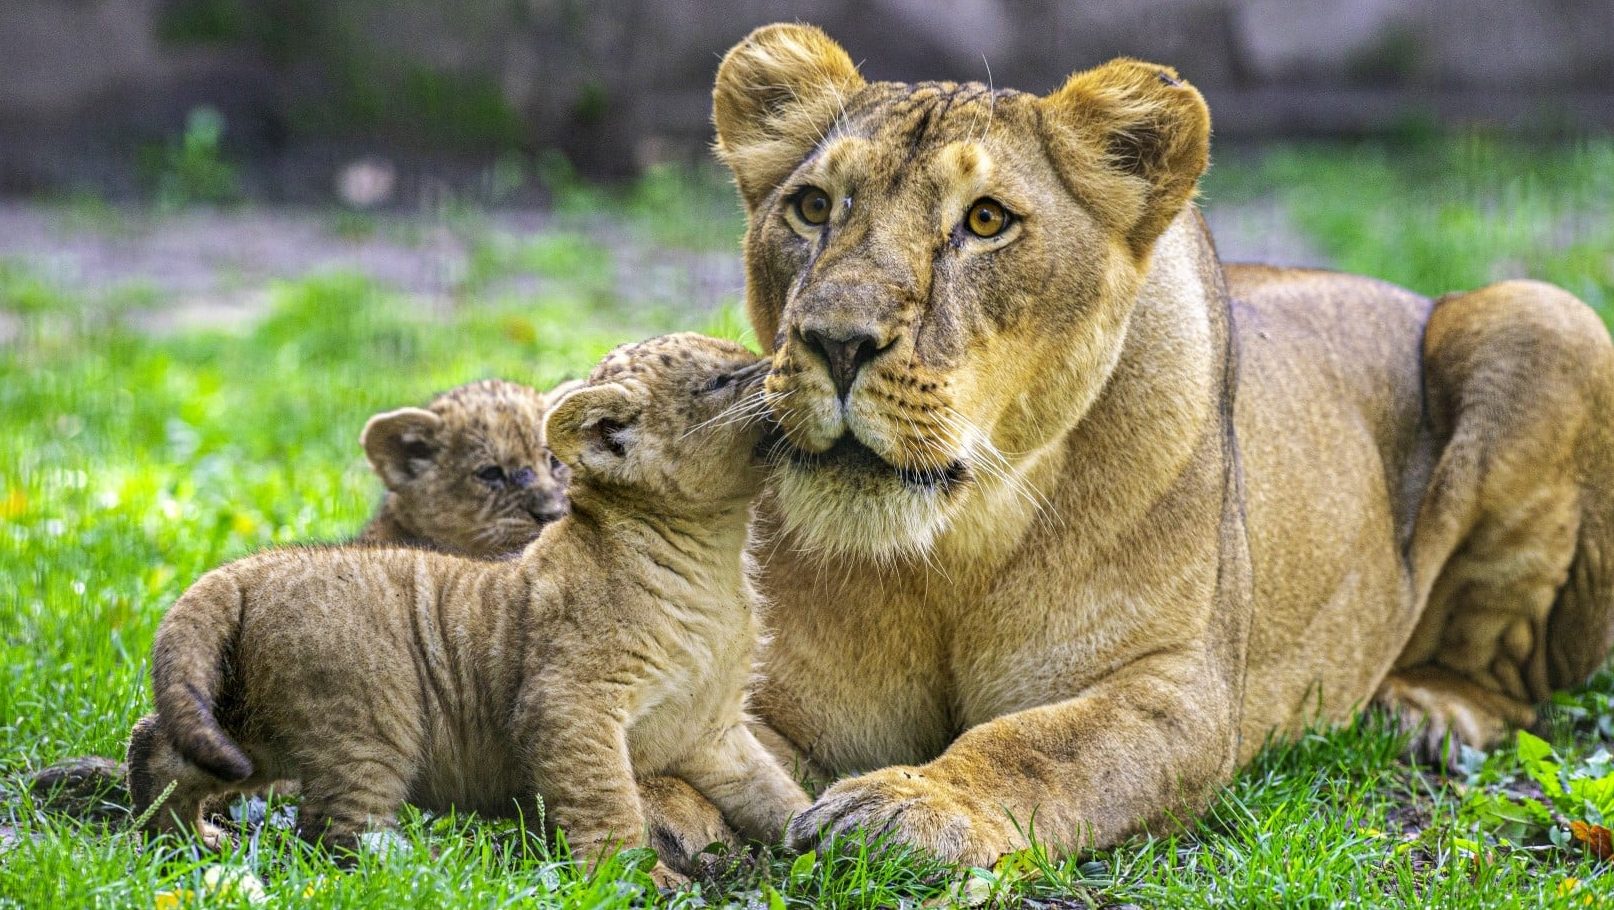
(1067, 519)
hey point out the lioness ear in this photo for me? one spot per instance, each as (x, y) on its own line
(1143, 123)
(592, 425)
(777, 92)
(400, 444)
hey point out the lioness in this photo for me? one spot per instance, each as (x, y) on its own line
(1068, 519)
(618, 642)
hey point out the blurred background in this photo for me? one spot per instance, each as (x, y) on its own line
(177, 157)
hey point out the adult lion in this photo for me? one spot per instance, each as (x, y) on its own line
(1068, 518)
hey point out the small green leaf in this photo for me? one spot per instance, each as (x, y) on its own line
(802, 868)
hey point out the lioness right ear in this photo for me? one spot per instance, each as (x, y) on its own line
(592, 426)
(1143, 125)
(400, 444)
(777, 91)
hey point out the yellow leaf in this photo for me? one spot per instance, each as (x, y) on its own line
(15, 503)
(243, 524)
(1567, 885)
(172, 900)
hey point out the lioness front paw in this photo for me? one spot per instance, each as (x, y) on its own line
(911, 808)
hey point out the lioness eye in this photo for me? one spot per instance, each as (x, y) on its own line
(491, 474)
(987, 218)
(813, 205)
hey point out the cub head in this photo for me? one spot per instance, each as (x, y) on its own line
(470, 472)
(942, 272)
(671, 424)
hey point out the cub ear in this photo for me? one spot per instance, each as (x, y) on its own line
(401, 444)
(777, 92)
(1143, 123)
(592, 424)
(554, 395)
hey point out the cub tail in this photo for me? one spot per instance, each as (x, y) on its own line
(192, 648)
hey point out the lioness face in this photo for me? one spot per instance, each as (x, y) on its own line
(943, 272)
(673, 423)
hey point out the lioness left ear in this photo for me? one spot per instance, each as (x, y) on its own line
(777, 92)
(592, 424)
(1139, 121)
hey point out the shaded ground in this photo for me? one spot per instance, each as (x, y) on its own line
(213, 268)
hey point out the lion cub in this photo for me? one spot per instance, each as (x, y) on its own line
(467, 474)
(618, 643)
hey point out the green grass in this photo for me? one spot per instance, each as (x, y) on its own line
(133, 464)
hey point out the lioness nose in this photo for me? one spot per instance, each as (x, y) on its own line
(844, 355)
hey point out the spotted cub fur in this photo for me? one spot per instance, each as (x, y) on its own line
(617, 644)
(467, 474)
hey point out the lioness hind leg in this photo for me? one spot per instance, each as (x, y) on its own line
(1508, 550)
(1444, 711)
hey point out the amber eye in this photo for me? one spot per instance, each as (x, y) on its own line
(813, 205)
(987, 218)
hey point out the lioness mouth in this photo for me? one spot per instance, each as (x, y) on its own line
(850, 454)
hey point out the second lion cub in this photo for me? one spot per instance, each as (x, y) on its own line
(618, 643)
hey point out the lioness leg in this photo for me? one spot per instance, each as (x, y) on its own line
(1510, 549)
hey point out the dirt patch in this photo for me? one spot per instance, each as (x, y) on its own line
(214, 269)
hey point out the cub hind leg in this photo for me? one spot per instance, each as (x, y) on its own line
(352, 782)
(1510, 550)
(157, 771)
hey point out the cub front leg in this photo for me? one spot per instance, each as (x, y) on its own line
(1146, 746)
(746, 783)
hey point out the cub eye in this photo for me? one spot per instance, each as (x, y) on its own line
(986, 218)
(813, 205)
(490, 474)
(554, 463)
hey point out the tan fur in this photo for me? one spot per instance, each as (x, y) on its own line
(618, 643)
(430, 458)
(433, 500)
(1095, 518)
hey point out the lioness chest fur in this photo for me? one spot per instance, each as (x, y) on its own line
(618, 643)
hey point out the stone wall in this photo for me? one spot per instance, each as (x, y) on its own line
(615, 83)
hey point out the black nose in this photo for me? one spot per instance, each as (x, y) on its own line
(845, 355)
(546, 514)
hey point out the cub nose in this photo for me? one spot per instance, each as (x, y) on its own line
(845, 353)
